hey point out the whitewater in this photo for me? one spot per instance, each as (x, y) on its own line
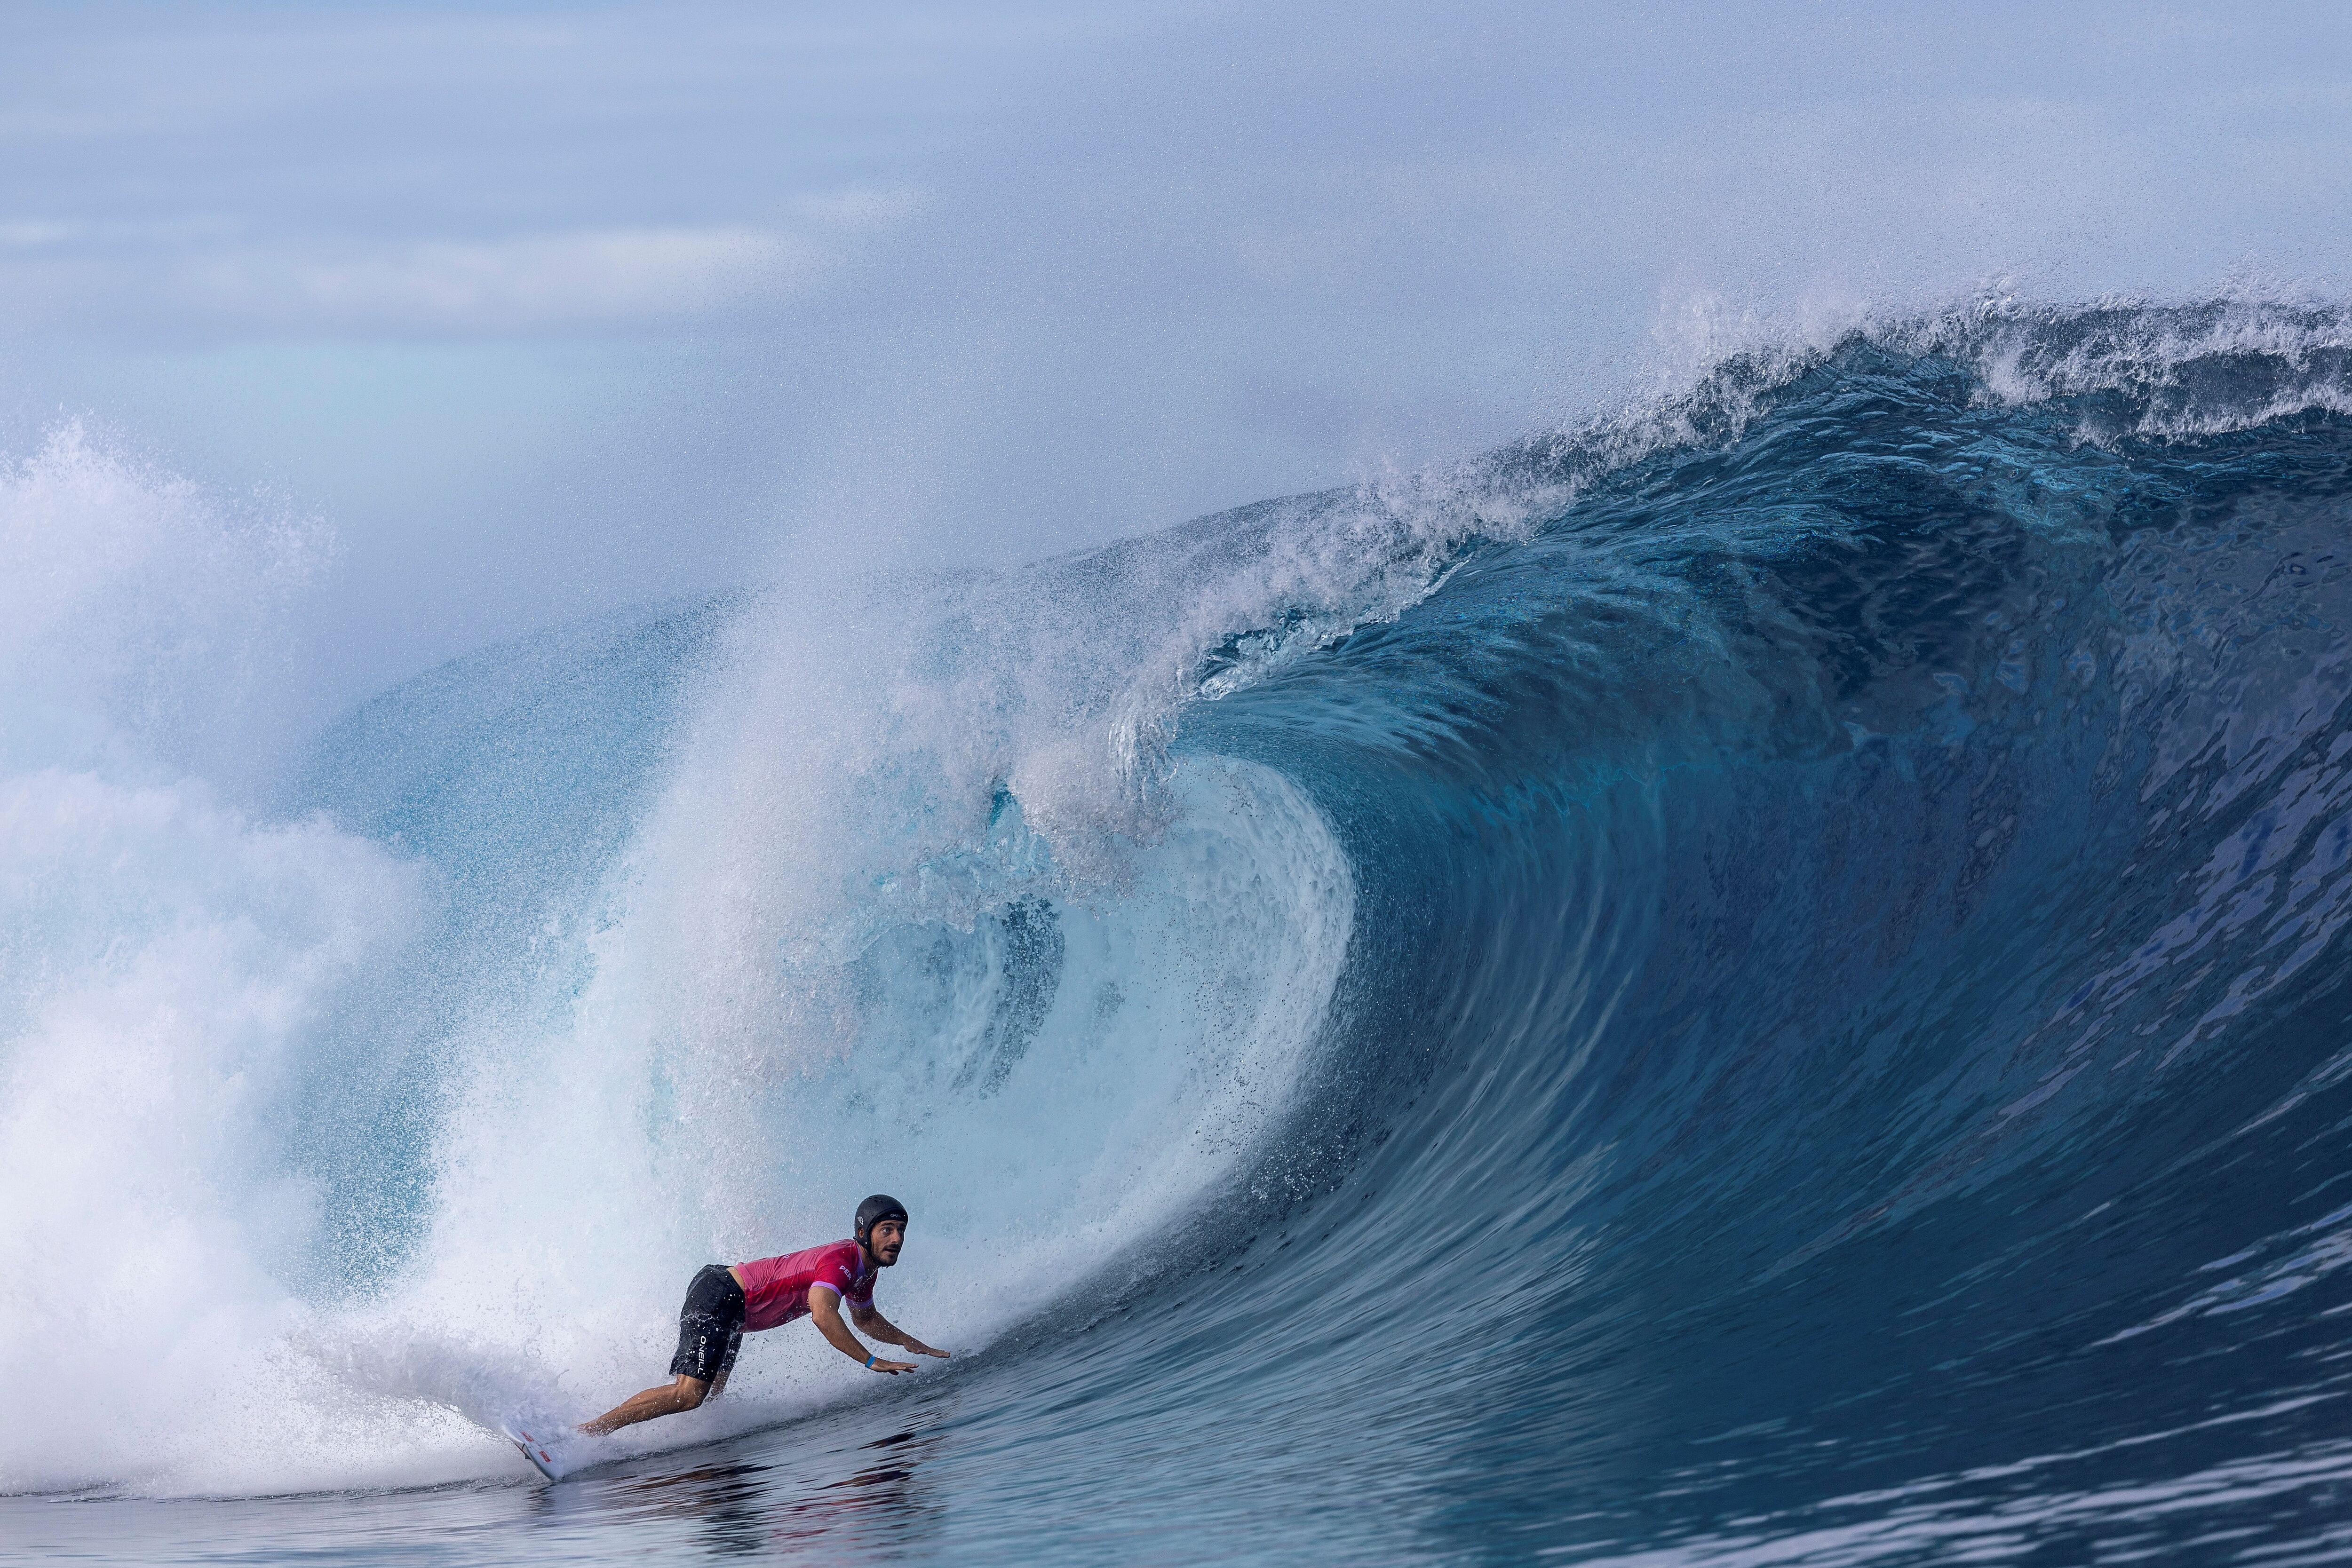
(1757, 980)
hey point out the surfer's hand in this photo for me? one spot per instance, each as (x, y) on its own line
(894, 1366)
(927, 1349)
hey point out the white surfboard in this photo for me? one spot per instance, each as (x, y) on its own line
(550, 1459)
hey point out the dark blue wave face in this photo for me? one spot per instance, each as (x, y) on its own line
(1846, 1043)
(1843, 1054)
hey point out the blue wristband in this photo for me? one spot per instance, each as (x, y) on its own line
(869, 1360)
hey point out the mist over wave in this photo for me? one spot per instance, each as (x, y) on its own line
(1758, 979)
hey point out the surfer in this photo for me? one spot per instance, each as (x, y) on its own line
(724, 1303)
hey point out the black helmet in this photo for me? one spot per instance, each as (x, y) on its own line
(877, 1209)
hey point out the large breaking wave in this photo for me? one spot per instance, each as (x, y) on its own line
(1760, 980)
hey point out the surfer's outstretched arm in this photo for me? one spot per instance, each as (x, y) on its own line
(874, 1325)
(824, 1311)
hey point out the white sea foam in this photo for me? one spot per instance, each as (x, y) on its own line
(792, 989)
(166, 963)
(142, 617)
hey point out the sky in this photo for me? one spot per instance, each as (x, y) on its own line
(548, 310)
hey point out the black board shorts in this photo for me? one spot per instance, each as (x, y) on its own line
(710, 1326)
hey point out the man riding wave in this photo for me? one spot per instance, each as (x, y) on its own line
(725, 1302)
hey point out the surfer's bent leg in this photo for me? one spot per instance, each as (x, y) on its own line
(709, 1332)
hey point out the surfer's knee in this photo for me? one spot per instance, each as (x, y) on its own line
(688, 1393)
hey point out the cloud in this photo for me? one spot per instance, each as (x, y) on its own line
(31, 233)
(596, 278)
(567, 279)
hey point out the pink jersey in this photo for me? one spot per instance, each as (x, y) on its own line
(776, 1289)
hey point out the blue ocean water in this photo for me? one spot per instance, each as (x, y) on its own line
(1761, 982)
